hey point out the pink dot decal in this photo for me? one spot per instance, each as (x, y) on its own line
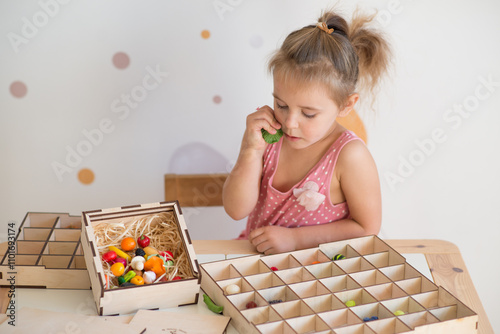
(121, 60)
(18, 89)
(217, 99)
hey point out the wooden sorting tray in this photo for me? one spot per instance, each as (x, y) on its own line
(48, 253)
(313, 291)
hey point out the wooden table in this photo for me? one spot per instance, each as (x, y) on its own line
(444, 259)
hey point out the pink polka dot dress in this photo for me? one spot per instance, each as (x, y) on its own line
(308, 202)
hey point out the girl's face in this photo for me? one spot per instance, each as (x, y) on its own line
(306, 113)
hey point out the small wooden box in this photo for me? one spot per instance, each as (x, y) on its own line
(308, 292)
(152, 296)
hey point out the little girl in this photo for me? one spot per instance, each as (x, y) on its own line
(318, 183)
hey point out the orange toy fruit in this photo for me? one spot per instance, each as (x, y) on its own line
(128, 244)
(155, 264)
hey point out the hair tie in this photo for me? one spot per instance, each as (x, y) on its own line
(323, 26)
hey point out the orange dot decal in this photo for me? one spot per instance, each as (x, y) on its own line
(205, 34)
(354, 123)
(86, 176)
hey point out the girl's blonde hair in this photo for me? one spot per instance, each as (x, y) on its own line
(352, 55)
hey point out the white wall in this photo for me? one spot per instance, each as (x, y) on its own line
(444, 52)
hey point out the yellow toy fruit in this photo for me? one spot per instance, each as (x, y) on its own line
(117, 269)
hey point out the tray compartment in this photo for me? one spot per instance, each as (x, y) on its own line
(355, 329)
(435, 299)
(254, 267)
(310, 256)
(354, 264)
(340, 318)
(369, 277)
(221, 270)
(292, 309)
(340, 283)
(65, 234)
(416, 285)
(385, 259)
(386, 291)
(55, 261)
(322, 270)
(30, 247)
(309, 289)
(277, 327)
(241, 300)
(388, 326)
(283, 293)
(281, 261)
(240, 282)
(339, 247)
(400, 272)
(405, 304)
(263, 281)
(61, 247)
(294, 275)
(308, 324)
(418, 319)
(324, 303)
(359, 296)
(372, 310)
(260, 315)
(36, 233)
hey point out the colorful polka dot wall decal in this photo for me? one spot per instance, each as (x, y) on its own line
(121, 60)
(205, 34)
(18, 89)
(217, 99)
(86, 176)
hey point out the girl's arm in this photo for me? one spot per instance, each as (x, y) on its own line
(241, 189)
(359, 182)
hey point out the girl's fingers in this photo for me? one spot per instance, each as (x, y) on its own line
(265, 114)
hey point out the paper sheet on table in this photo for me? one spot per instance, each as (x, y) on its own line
(31, 320)
(179, 323)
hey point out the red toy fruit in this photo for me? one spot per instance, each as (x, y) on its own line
(143, 241)
(109, 256)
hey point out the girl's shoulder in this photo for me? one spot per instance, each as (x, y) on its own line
(354, 154)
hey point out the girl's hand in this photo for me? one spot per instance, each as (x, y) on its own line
(263, 118)
(273, 239)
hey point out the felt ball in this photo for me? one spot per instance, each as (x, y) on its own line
(338, 257)
(398, 312)
(350, 303)
(274, 268)
(231, 289)
(251, 304)
(373, 318)
(316, 262)
(275, 301)
(365, 319)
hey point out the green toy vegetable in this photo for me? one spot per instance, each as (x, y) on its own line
(271, 139)
(211, 305)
